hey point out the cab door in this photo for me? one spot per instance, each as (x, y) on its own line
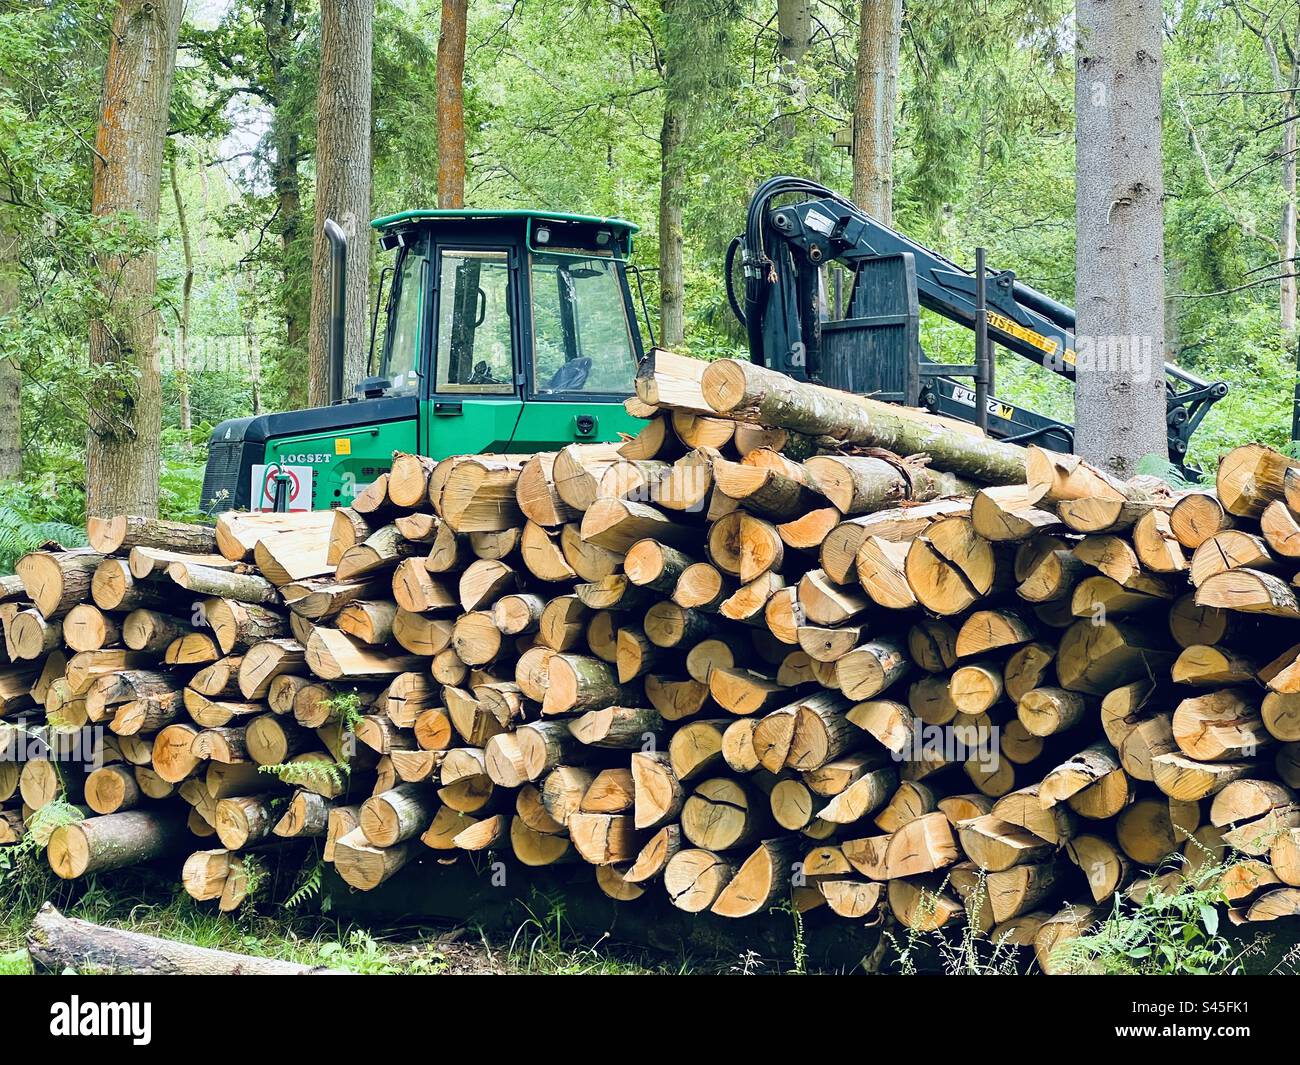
(583, 349)
(475, 398)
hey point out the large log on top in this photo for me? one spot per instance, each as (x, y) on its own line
(59, 944)
(752, 393)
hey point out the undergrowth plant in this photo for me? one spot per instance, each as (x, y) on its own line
(332, 775)
(25, 877)
(22, 529)
(346, 709)
(971, 952)
(309, 887)
(545, 944)
(1171, 930)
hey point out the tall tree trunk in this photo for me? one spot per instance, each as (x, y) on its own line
(123, 445)
(254, 366)
(794, 32)
(11, 382)
(672, 137)
(794, 26)
(182, 368)
(1288, 235)
(880, 29)
(280, 25)
(288, 194)
(342, 185)
(1119, 402)
(451, 103)
(1278, 37)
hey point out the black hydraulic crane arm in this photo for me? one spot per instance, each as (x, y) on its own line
(786, 244)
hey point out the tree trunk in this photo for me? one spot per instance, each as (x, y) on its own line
(672, 138)
(451, 103)
(280, 25)
(182, 367)
(123, 450)
(879, 31)
(1120, 391)
(794, 31)
(1290, 145)
(11, 426)
(342, 187)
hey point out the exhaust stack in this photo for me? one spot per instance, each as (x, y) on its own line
(338, 304)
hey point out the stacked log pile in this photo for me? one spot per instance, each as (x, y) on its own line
(784, 643)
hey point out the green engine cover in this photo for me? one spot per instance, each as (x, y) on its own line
(339, 463)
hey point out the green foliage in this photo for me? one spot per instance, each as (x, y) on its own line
(26, 879)
(544, 944)
(300, 774)
(1159, 466)
(346, 708)
(969, 953)
(309, 888)
(24, 526)
(256, 878)
(360, 953)
(1168, 932)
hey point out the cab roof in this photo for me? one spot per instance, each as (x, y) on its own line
(465, 213)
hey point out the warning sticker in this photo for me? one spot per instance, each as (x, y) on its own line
(265, 479)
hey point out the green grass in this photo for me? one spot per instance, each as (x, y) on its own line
(543, 946)
(141, 901)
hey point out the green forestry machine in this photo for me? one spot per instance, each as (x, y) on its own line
(516, 331)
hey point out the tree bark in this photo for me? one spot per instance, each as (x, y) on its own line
(880, 28)
(281, 26)
(11, 426)
(794, 32)
(451, 103)
(672, 138)
(1290, 145)
(1119, 402)
(342, 186)
(123, 445)
(182, 365)
(794, 29)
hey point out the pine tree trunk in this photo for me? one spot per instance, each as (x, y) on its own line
(281, 25)
(122, 451)
(11, 427)
(1290, 144)
(672, 137)
(342, 186)
(1120, 391)
(182, 367)
(794, 27)
(451, 103)
(794, 31)
(879, 30)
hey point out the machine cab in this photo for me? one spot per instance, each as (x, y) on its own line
(514, 329)
(493, 331)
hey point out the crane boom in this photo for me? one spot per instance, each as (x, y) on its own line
(874, 347)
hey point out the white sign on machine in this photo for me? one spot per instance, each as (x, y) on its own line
(262, 496)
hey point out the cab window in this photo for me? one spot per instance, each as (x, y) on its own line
(405, 319)
(581, 338)
(474, 327)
